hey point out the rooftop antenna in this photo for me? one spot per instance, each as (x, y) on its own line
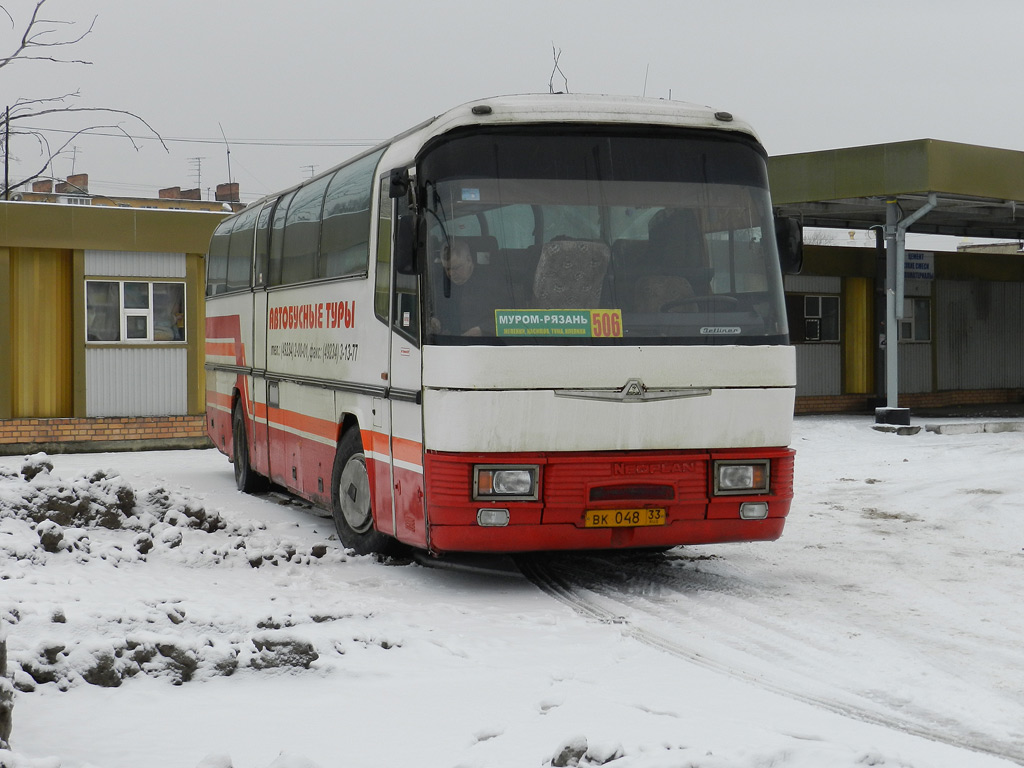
(551, 80)
(197, 167)
(646, 73)
(227, 147)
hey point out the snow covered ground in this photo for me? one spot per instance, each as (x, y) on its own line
(161, 619)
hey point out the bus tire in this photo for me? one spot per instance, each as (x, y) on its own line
(351, 501)
(247, 479)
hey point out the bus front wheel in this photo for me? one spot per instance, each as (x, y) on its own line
(351, 501)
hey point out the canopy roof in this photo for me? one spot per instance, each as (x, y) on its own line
(979, 190)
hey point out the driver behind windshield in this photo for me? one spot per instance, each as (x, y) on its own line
(465, 298)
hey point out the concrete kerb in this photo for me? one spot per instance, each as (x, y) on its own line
(955, 428)
(976, 427)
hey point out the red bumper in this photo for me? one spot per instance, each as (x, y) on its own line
(570, 484)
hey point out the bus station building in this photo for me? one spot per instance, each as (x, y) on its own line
(961, 312)
(102, 305)
(101, 324)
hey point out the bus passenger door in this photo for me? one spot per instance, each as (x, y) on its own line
(261, 435)
(404, 388)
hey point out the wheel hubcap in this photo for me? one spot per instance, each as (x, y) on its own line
(354, 495)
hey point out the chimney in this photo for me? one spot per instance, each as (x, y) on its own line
(227, 193)
(177, 193)
(43, 187)
(77, 184)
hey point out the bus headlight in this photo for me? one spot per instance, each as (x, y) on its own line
(505, 482)
(735, 477)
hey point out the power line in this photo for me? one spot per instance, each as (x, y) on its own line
(220, 141)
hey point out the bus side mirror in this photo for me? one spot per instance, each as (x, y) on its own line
(789, 238)
(398, 183)
(406, 245)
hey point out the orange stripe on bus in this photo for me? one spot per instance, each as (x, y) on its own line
(218, 398)
(259, 411)
(221, 348)
(408, 451)
(302, 423)
(375, 442)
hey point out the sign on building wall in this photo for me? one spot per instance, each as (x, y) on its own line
(919, 265)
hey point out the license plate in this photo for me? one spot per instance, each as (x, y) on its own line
(624, 518)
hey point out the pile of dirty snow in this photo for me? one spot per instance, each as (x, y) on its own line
(100, 518)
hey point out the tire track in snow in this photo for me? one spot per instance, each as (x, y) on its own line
(588, 583)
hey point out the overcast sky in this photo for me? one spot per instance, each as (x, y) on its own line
(296, 85)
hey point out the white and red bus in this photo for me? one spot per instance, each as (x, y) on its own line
(531, 323)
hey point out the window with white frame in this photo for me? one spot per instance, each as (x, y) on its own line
(813, 318)
(916, 324)
(134, 311)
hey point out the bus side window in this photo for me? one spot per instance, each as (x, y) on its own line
(262, 245)
(277, 239)
(385, 235)
(406, 316)
(407, 306)
(345, 235)
(217, 260)
(240, 251)
(302, 232)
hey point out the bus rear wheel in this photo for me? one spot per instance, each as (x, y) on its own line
(351, 503)
(247, 479)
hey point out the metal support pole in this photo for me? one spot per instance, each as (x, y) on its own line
(892, 383)
(895, 251)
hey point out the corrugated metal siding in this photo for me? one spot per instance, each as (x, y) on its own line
(818, 366)
(136, 382)
(979, 335)
(41, 326)
(129, 264)
(818, 370)
(812, 284)
(915, 364)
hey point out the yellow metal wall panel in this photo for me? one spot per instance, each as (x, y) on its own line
(41, 333)
(858, 349)
(195, 279)
(78, 332)
(6, 377)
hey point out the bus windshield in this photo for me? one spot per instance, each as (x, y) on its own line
(565, 235)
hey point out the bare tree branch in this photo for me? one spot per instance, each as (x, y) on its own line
(39, 37)
(103, 110)
(37, 34)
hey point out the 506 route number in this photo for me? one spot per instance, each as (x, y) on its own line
(624, 518)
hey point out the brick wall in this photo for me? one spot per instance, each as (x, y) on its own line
(948, 399)
(110, 434)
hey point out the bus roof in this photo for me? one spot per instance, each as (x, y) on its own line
(554, 108)
(583, 108)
